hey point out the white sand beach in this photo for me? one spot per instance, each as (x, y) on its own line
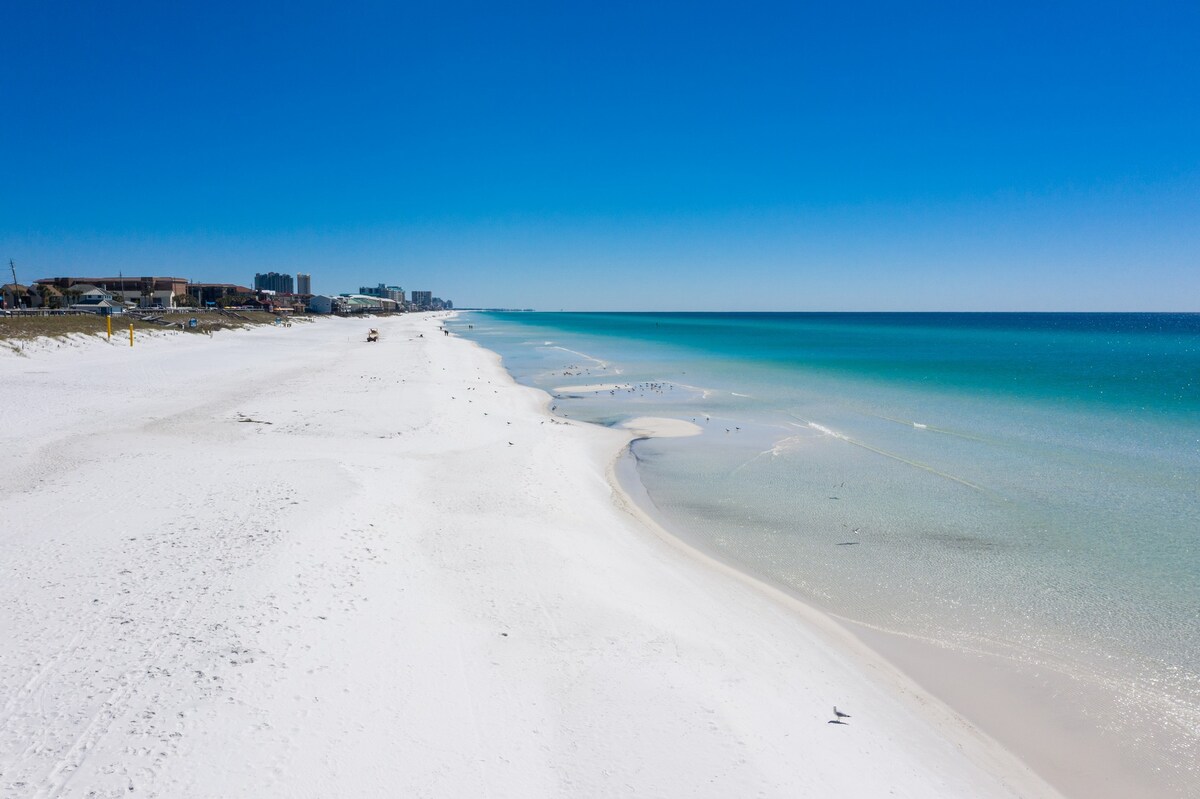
(285, 562)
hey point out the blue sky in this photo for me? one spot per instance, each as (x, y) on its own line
(823, 156)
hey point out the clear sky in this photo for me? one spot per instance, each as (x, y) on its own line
(613, 155)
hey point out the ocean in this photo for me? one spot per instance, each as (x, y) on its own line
(1025, 486)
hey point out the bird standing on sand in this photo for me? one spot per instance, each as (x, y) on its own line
(839, 714)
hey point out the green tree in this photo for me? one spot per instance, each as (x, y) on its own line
(233, 299)
(51, 297)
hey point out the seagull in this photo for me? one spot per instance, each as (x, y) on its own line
(839, 713)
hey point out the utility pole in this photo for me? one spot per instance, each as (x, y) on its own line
(13, 267)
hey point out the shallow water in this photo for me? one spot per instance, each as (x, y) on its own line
(1026, 485)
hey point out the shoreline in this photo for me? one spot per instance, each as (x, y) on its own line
(1006, 703)
(1055, 721)
(631, 497)
(367, 569)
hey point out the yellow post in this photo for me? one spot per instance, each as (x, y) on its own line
(131, 334)
(109, 320)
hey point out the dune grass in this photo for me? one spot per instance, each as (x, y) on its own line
(26, 328)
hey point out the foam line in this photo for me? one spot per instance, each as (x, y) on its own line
(915, 464)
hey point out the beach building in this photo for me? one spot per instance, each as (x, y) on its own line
(321, 303)
(303, 283)
(274, 281)
(45, 296)
(14, 295)
(395, 293)
(363, 303)
(281, 303)
(206, 294)
(86, 293)
(103, 307)
(145, 292)
(49, 297)
(326, 303)
(422, 300)
(351, 304)
(91, 299)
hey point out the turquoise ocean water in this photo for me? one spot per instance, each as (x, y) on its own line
(1026, 485)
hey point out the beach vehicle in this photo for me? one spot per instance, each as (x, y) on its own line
(373, 335)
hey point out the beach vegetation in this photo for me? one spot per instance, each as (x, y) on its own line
(50, 296)
(17, 329)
